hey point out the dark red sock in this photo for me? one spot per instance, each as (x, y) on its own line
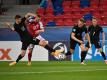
(29, 56)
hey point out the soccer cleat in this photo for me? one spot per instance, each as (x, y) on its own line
(105, 61)
(82, 63)
(57, 52)
(29, 63)
(12, 63)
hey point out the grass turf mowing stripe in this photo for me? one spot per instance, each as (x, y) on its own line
(9, 73)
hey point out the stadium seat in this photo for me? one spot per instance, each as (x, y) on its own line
(66, 3)
(59, 23)
(68, 22)
(59, 17)
(88, 23)
(85, 10)
(49, 10)
(67, 16)
(97, 15)
(40, 10)
(67, 9)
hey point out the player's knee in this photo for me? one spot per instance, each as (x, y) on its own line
(83, 49)
(23, 53)
(30, 51)
(100, 50)
(43, 43)
(71, 51)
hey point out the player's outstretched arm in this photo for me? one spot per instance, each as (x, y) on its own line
(9, 26)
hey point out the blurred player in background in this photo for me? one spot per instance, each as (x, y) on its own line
(77, 38)
(94, 32)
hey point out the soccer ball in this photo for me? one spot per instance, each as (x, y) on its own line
(61, 56)
(58, 46)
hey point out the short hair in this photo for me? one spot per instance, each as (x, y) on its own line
(82, 20)
(94, 18)
(17, 16)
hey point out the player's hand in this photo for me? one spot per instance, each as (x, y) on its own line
(81, 42)
(90, 45)
(7, 24)
(38, 31)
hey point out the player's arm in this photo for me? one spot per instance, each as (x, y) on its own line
(41, 27)
(74, 38)
(103, 38)
(10, 26)
(88, 38)
(29, 14)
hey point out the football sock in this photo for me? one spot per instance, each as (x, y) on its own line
(68, 53)
(29, 56)
(103, 55)
(49, 48)
(83, 55)
(19, 58)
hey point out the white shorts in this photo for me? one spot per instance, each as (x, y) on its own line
(31, 46)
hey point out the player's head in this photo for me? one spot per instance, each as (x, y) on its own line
(94, 21)
(31, 19)
(81, 22)
(18, 18)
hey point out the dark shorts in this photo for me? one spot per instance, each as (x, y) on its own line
(96, 44)
(25, 44)
(73, 44)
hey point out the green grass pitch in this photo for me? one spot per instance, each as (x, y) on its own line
(54, 70)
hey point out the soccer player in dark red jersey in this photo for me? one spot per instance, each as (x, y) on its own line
(35, 27)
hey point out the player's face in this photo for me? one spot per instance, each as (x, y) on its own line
(37, 19)
(18, 20)
(80, 24)
(94, 22)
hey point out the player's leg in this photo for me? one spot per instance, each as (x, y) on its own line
(30, 50)
(98, 46)
(22, 54)
(46, 46)
(83, 53)
(72, 48)
(50, 49)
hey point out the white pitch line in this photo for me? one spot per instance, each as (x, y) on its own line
(10, 73)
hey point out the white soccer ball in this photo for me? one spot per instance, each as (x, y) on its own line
(61, 56)
(58, 46)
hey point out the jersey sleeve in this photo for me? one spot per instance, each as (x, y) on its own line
(74, 29)
(86, 30)
(101, 30)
